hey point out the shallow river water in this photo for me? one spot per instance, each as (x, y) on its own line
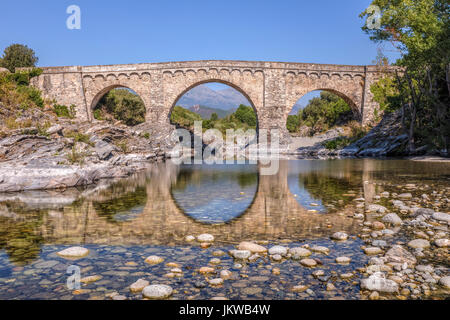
(151, 213)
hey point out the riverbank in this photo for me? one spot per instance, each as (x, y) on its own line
(69, 154)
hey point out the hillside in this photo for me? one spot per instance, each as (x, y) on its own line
(206, 112)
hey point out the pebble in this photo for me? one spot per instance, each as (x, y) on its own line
(299, 288)
(320, 249)
(154, 260)
(341, 236)
(139, 285)
(405, 196)
(216, 282)
(443, 243)
(240, 254)
(252, 247)
(392, 218)
(189, 238)
(308, 262)
(73, 253)
(372, 251)
(204, 270)
(445, 282)
(205, 237)
(343, 260)
(214, 261)
(419, 243)
(441, 216)
(299, 252)
(278, 250)
(157, 291)
(377, 282)
(225, 274)
(90, 279)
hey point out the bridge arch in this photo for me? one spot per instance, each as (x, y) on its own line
(351, 100)
(231, 84)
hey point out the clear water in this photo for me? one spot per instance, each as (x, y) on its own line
(151, 213)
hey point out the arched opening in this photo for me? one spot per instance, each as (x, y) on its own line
(324, 116)
(118, 103)
(218, 104)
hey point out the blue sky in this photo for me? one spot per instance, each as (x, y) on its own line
(114, 32)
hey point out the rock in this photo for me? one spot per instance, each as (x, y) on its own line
(398, 254)
(214, 261)
(216, 282)
(341, 236)
(423, 211)
(298, 253)
(405, 196)
(157, 291)
(308, 262)
(189, 238)
(330, 287)
(379, 243)
(372, 251)
(252, 247)
(119, 297)
(441, 216)
(377, 282)
(90, 279)
(154, 260)
(73, 253)
(318, 273)
(419, 243)
(393, 219)
(374, 295)
(425, 268)
(445, 282)
(55, 129)
(225, 274)
(276, 257)
(343, 260)
(205, 270)
(278, 250)
(206, 237)
(376, 208)
(299, 288)
(104, 150)
(376, 225)
(320, 249)
(442, 243)
(139, 285)
(240, 254)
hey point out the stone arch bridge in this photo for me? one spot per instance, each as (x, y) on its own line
(272, 87)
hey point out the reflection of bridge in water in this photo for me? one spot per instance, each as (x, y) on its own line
(274, 214)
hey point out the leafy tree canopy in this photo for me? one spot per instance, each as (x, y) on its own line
(18, 56)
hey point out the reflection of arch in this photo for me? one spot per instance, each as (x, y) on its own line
(228, 83)
(352, 104)
(233, 216)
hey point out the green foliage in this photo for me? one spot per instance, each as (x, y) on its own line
(64, 111)
(122, 105)
(356, 133)
(183, 117)
(246, 115)
(98, 114)
(321, 113)
(293, 123)
(18, 56)
(75, 157)
(244, 118)
(214, 117)
(420, 30)
(78, 137)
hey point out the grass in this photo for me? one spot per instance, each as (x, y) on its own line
(356, 133)
(79, 137)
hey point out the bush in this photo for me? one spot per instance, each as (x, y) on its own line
(246, 115)
(122, 105)
(293, 123)
(64, 111)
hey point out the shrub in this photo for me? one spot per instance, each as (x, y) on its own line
(64, 111)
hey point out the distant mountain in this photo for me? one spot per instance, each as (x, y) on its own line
(226, 99)
(297, 107)
(206, 112)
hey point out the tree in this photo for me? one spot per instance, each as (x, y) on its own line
(246, 115)
(420, 30)
(18, 56)
(214, 117)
